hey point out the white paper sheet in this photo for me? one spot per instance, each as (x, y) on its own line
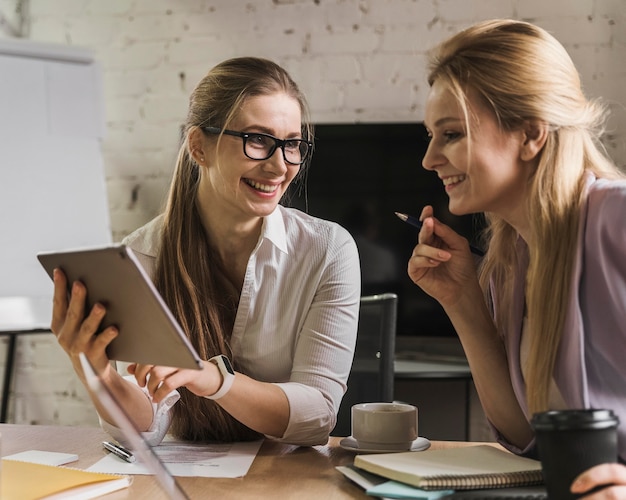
(43, 457)
(194, 460)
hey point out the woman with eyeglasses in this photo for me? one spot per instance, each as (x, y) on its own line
(543, 321)
(269, 296)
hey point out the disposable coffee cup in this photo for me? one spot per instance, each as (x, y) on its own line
(570, 442)
(384, 426)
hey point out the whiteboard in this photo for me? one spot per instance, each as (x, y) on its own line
(52, 184)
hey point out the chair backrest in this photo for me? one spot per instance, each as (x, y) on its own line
(372, 374)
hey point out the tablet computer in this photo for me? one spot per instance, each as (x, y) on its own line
(148, 331)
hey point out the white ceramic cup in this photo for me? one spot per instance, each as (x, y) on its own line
(384, 426)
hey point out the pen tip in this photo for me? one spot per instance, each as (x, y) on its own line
(401, 215)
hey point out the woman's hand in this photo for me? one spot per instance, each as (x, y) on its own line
(441, 264)
(75, 330)
(613, 475)
(161, 380)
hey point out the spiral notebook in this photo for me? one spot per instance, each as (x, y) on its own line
(464, 468)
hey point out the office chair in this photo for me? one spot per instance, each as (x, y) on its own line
(372, 374)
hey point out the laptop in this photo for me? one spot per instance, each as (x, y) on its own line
(514, 493)
(139, 445)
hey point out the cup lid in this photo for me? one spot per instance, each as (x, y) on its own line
(574, 419)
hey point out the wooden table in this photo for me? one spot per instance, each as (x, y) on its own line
(279, 470)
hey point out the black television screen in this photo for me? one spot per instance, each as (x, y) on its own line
(359, 176)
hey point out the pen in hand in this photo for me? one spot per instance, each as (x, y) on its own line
(119, 451)
(414, 221)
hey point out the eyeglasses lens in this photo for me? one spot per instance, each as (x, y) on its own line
(261, 147)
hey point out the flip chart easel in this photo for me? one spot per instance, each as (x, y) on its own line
(52, 184)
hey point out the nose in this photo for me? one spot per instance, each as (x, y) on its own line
(432, 158)
(276, 163)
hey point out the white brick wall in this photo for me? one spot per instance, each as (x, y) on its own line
(355, 59)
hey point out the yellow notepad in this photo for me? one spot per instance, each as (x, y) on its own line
(463, 468)
(32, 481)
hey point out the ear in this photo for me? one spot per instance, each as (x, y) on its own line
(196, 143)
(535, 136)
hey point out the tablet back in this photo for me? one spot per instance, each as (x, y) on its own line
(148, 332)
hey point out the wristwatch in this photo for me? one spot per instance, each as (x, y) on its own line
(228, 375)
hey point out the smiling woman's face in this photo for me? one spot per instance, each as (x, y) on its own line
(244, 187)
(484, 176)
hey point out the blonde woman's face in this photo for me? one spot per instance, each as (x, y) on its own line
(487, 176)
(252, 188)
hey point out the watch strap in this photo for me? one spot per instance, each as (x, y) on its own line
(228, 375)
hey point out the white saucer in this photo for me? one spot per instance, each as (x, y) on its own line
(350, 444)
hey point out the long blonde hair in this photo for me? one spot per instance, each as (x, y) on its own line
(189, 274)
(523, 73)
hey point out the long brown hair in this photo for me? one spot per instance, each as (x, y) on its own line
(523, 73)
(189, 274)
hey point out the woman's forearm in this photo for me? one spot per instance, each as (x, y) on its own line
(261, 406)
(486, 355)
(131, 397)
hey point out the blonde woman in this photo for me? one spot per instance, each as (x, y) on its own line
(271, 289)
(543, 321)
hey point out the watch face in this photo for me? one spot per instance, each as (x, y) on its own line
(227, 364)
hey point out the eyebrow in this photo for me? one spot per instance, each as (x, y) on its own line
(445, 120)
(260, 129)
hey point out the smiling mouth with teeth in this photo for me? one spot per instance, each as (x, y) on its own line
(265, 188)
(453, 179)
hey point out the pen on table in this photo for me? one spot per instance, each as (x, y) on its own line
(119, 451)
(414, 221)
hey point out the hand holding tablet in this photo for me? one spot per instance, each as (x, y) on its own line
(148, 332)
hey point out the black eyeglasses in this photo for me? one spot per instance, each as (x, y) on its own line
(257, 146)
